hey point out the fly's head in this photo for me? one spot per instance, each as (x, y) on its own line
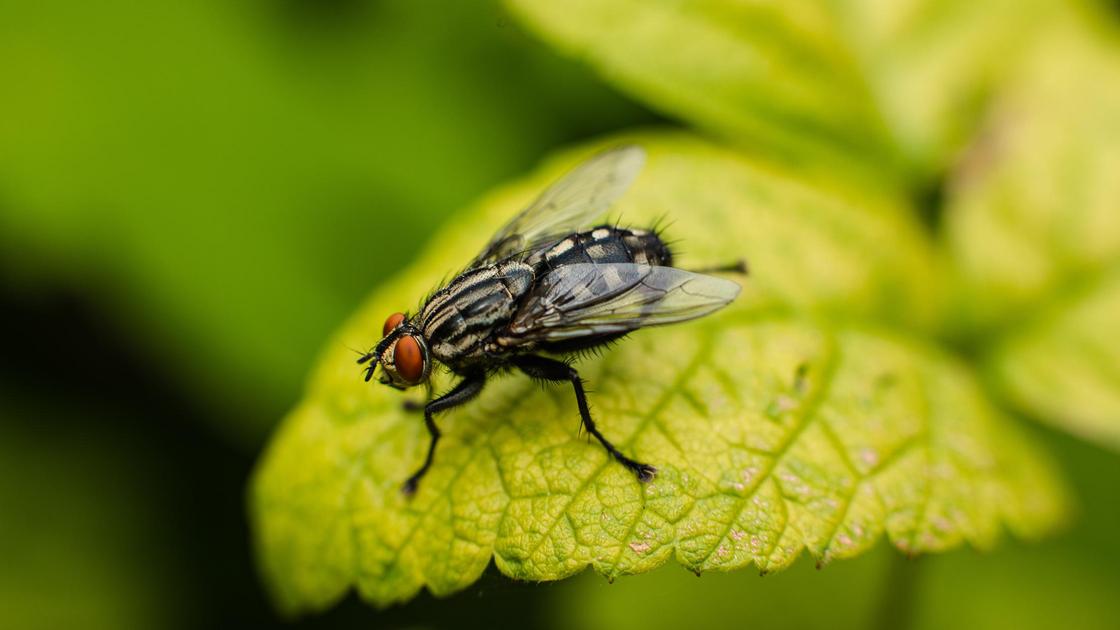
(402, 354)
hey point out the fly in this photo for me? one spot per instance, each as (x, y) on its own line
(546, 286)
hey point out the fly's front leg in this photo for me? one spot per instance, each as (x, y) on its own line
(467, 389)
(553, 370)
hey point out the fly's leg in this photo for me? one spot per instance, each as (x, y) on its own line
(739, 266)
(553, 370)
(467, 389)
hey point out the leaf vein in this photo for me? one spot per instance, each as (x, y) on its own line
(808, 414)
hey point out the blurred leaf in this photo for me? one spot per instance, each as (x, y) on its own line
(1024, 588)
(1034, 233)
(1065, 366)
(227, 180)
(887, 90)
(1032, 206)
(1069, 580)
(756, 71)
(77, 533)
(931, 64)
(773, 430)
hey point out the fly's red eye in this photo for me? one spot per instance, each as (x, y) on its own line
(392, 322)
(408, 359)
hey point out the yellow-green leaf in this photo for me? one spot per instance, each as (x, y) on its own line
(1032, 206)
(875, 88)
(779, 425)
(932, 63)
(1064, 367)
(1033, 230)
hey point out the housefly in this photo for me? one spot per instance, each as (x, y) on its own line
(547, 285)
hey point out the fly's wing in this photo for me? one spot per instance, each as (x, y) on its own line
(591, 299)
(569, 204)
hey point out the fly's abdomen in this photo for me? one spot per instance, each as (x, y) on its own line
(602, 245)
(458, 318)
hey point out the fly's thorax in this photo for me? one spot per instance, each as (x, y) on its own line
(459, 318)
(603, 245)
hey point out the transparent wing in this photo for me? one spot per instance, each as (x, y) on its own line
(569, 204)
(592, 299)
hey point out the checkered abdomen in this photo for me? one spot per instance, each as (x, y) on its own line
(604, 244)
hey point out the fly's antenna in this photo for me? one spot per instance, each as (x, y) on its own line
(367, 357)
(370, 366)
(363, 355)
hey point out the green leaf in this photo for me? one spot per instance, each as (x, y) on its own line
(932, 63)
(1032, 205)
(879, 89)
(1064, 367)
(1041, 585)
(773, 431)
(1034, 234)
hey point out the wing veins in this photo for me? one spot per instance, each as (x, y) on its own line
(570, 306)
(568, 205)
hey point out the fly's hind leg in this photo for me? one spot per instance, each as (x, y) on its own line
(467, 389)
(738, 266)
(553, 370)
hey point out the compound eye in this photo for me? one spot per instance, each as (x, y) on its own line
(408, 359)
(392, 322)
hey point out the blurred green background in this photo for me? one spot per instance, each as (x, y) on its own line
(194, 194)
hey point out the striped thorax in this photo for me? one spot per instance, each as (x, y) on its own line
(459, 318)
